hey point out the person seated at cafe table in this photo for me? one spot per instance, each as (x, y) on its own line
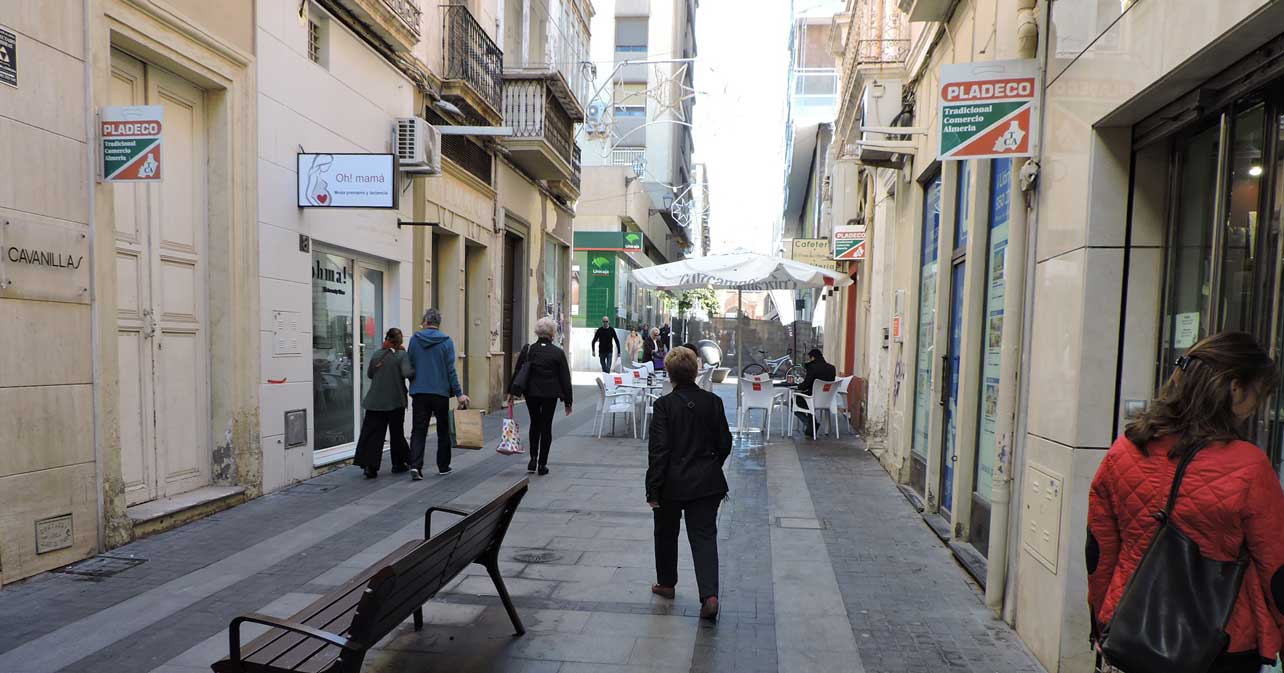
(817, 370)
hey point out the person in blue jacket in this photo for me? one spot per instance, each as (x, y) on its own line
(432, 354)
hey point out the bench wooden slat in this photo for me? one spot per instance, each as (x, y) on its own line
(371, 605)
(321, 613)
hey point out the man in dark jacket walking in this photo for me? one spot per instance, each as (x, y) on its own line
(665, 331)
(602, 339)
(817, 370)
(432, 354)
(689, 443)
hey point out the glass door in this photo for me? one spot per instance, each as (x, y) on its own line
(372, 327)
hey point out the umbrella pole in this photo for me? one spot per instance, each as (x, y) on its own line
(740, 357)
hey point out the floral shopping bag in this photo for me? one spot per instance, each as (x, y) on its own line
(510, 439)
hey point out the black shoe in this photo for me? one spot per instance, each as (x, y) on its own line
(543, 471)
(398, 469)
(370, 474)
(444, 472)
(530, 467)
(416, 475)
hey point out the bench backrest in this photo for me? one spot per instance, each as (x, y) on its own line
(398, 589)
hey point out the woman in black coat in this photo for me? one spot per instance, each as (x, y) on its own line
(689, 443)
(549, 379)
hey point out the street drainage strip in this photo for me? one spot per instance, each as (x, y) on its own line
(537, 556)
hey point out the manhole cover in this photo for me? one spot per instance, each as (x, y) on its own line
(99, 567)
(536, 556)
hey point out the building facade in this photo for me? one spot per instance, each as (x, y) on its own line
(129, 283)
(1012, 313)
(212, 323)
(640, 198)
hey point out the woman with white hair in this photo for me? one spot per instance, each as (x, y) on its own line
(548, 380)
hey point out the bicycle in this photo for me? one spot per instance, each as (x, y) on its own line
(781, 367)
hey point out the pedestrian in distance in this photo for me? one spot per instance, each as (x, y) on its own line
(1228, 502)
(653, 350)
(547, 381)
(432, 354)
(817, 370)
(632, 345)
(606, 341)
(385, 405)
(688, 445)
(665, 332)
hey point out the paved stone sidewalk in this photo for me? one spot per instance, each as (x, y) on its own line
(824, 567)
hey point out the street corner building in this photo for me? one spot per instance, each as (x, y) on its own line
(233, 203)
(1053, 202)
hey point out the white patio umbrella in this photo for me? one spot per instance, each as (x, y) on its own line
(740, 271)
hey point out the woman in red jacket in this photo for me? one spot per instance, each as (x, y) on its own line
(1230, 498)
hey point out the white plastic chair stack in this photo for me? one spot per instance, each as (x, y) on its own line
(756, 392)
(823, 397)
(614, 400)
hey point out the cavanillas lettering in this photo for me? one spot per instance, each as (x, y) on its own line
(49, 258)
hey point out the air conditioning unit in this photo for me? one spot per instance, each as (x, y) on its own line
(417, 145)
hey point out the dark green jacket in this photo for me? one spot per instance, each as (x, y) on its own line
(388, 371)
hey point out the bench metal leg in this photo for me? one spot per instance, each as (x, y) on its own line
(419, 618)
(493, 569)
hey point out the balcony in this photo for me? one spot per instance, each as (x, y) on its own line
(543, 140)
(881, 52)
(474, 64)
(396, 21)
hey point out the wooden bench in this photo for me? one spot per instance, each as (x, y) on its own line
(333, 634)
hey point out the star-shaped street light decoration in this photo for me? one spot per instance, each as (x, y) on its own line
(671, 91)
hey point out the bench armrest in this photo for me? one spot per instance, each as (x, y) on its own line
(428, 517)
(234, 633)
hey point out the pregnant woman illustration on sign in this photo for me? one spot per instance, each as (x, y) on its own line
(318, 192)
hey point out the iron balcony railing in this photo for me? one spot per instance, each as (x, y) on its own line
(471, 56)
(408, 11)
(575, 168)
(881, 51)
(534, 112)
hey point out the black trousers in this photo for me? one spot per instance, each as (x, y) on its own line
(702, 534)
(541, 410)
(370, 445)
(605, 359)
(427, 406)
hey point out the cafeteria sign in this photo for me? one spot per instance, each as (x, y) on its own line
(131, 143)
(988, 110)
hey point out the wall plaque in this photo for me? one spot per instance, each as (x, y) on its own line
(46, 260)
(53, 534)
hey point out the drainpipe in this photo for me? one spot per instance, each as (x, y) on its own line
(95, 333)
(1019, 270)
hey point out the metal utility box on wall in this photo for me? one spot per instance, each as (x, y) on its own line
(1042, 498)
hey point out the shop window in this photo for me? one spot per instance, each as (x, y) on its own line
(1242, 220)
(332, 350)
(1190, 249)
(926, 328)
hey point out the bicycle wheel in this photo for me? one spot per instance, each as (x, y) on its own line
(753, 369)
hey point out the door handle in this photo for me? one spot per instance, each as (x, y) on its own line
(945, 380)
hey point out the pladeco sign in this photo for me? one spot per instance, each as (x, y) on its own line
(347, 181)
(988, 110)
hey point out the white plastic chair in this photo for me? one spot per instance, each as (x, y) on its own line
(823, 397)
(843, 384)
(613, 400)
(756, 392)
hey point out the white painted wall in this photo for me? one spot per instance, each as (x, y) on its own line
(349, 107)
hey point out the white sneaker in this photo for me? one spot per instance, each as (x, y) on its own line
(416, 475)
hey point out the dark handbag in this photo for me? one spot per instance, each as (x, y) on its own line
(1173, 613)
(522, 378)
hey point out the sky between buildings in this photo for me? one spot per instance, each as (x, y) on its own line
(740, 110)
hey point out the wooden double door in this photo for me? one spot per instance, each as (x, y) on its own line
(161, 293)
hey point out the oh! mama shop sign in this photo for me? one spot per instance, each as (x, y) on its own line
(347, 181)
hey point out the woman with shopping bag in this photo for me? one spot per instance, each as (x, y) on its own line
(543, 376)
(1184, 522)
